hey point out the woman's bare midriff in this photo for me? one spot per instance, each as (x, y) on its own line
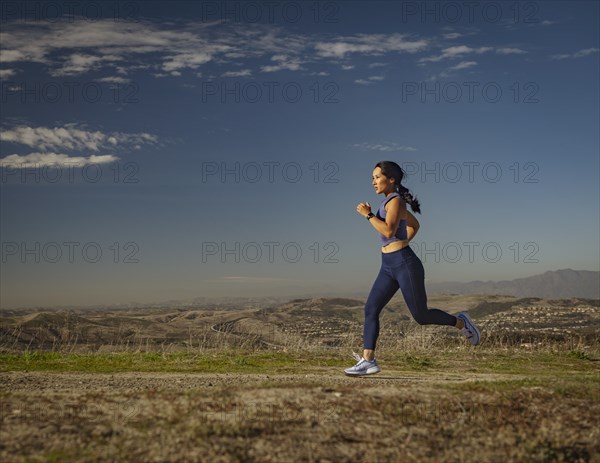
(394, 246)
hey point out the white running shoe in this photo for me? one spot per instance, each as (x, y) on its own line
(470, 330)
(363, 367)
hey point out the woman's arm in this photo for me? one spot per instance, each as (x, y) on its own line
(395, 209)
(412, 225)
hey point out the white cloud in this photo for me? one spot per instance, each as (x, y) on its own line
(463, 65)
(186, 60)
(6, 73)
(441, 75)
(68, 138)
(40, 160)
(241, 73)
(377, 65)
(284, 62)
(460, 51)
(386, 146)
(8, 56)
(578, 54)
(369, 80)
(456, 52)
(114, 80)
(452, 35)
(70, 48)
(76, 47)
(510, 51)
(73, 138)
(369, 44)
(78, 63)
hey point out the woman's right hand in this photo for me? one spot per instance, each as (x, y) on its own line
(363, 209)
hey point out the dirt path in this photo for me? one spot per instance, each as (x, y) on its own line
(43, 381)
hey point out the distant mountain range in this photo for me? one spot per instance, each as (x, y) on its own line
(563, 283)
(556, 284)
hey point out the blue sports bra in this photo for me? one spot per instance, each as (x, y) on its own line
(401, 233)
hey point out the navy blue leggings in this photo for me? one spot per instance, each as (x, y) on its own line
(400, 269)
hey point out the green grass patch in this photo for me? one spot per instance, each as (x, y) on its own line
(414, 361)
(515, 361)
(536, 364)
(580, 355)
(222, 361)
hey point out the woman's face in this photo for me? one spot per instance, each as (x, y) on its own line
(381, 183)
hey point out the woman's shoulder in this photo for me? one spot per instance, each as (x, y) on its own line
(390, 197)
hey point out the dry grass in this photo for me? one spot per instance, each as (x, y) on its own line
(292, 409)
(235, 394)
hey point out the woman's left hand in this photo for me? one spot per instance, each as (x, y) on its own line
(363, 209)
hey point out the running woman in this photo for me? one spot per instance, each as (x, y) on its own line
(400, 266)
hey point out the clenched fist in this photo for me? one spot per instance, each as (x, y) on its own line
(363, 209)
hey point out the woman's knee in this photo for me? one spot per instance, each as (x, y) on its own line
(371, 316)
(372, 308)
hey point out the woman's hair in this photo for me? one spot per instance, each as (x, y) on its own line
(392, 170)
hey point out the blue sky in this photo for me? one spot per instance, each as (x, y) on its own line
(221, 148)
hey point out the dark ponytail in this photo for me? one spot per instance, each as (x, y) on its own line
(392, 170)
(406, 196)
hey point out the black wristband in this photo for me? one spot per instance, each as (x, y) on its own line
(370, 215)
